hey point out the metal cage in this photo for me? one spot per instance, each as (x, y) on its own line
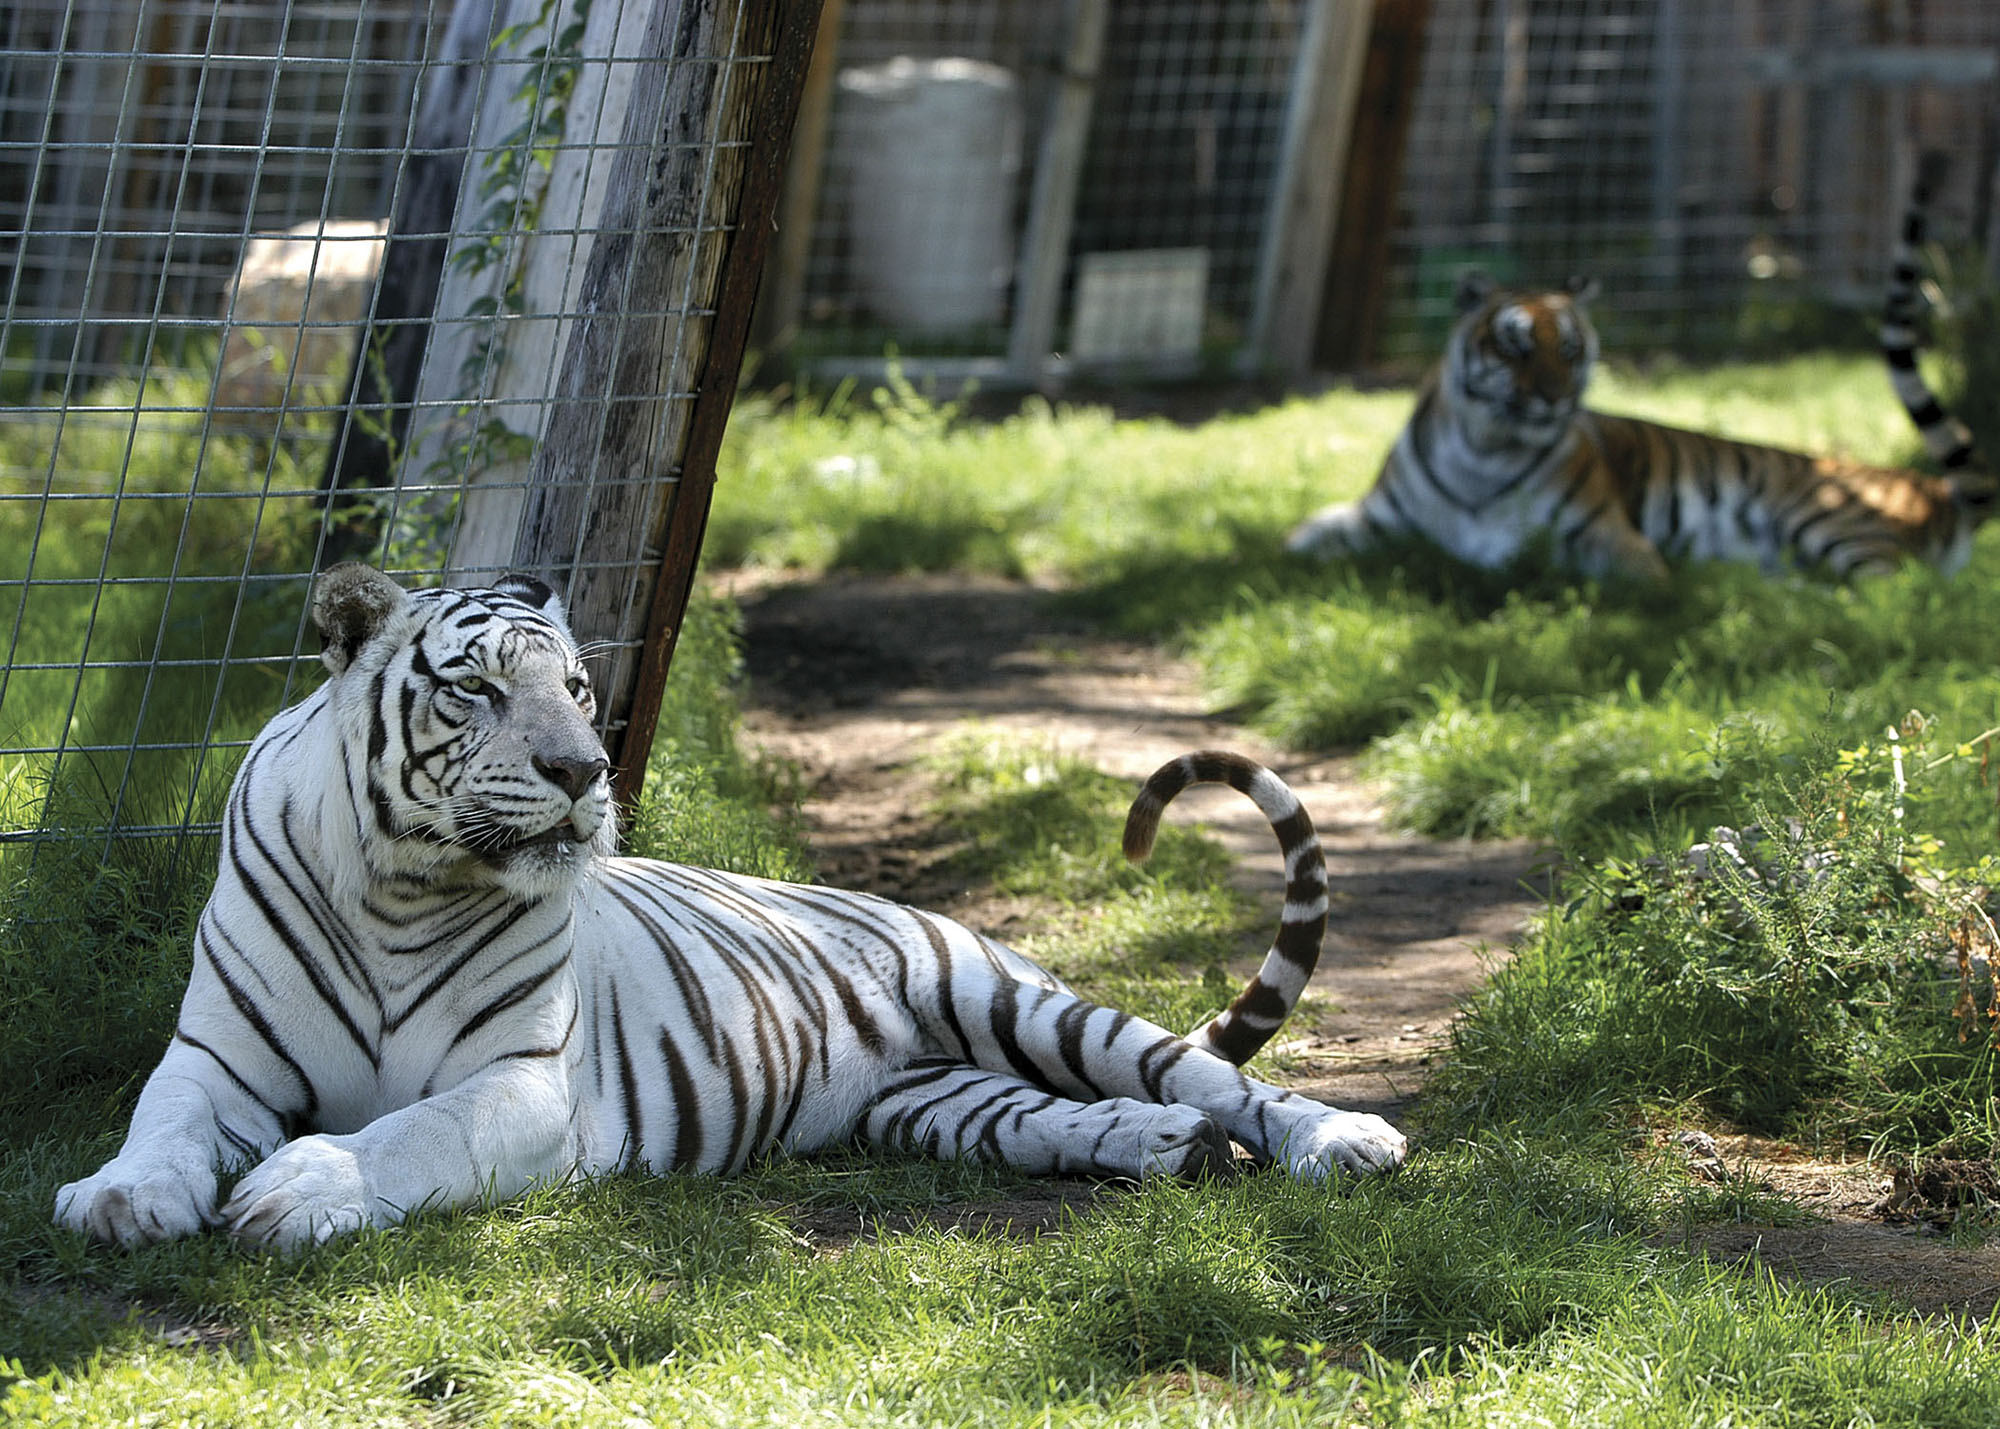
(454, 288)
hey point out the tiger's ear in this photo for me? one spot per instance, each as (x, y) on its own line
(530, 591)
(1474, 288)
(350, 605)
(1580, 288)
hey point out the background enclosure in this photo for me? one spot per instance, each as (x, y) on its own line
(199, 242)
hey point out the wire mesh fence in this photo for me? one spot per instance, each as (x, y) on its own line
(287, 282)
(1730, 170)
(1028, 189)
(452, 287)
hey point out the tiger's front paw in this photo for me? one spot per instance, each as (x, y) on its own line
(128, 1205)
(304, 1193)
(1331, 532)
(1351, 1141)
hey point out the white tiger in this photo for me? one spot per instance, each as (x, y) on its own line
(422, 979)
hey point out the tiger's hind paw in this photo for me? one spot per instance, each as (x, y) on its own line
(1353, 1142)
(1190, 1152)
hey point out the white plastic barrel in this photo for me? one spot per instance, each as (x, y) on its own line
(933, 148)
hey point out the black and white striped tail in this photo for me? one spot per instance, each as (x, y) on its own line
(1945, 437)
(1262, 1007)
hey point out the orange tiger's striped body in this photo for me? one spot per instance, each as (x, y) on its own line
(1502, 455)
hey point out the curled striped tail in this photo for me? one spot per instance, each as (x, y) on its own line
(1945, 437)
(1263, 1005)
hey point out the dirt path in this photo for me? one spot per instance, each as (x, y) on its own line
(855, 679)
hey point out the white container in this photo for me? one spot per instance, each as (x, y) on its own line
(1143, 305)
(933, 150)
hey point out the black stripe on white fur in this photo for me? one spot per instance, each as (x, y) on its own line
(1945, 437)
(1262, 1007)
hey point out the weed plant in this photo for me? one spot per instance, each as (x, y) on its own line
(1823, 975)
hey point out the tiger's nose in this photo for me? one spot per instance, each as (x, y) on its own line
(570, 773)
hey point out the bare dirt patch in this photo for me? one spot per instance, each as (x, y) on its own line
(1929, 1277)
(854, 680)
(1865, 1236)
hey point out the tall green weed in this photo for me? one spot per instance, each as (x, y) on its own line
(1820, 970)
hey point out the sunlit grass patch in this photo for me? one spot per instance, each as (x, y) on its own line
(1579, 714)
(1741, 1351)
(1039, 819)
(900, 482)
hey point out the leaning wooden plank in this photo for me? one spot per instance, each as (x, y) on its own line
(649, 371)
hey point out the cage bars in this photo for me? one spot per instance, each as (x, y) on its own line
(157, 535)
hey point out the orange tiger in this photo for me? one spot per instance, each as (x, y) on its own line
(1501, 453)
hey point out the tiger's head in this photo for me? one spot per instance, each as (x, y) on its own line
(466, 742)
(1518, 362)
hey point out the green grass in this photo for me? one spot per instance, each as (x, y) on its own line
(1514, 702)
(899, 483)
(706, 801)
(128, 483)
(1495, 1280)
(1526, 1268)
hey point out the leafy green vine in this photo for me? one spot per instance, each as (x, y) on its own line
(511, 188)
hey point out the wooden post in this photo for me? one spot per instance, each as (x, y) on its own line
(1357, 275)
(1311, 171)
(784, 295)
(650, 369)
(1052, 206)
(500, 322)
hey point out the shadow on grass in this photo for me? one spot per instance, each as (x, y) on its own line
(594, 1266)
(1166, 592)
(897, 542)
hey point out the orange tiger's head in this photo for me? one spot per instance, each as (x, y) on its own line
(1518, 361)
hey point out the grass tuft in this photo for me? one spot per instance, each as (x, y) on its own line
(1808, 989)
